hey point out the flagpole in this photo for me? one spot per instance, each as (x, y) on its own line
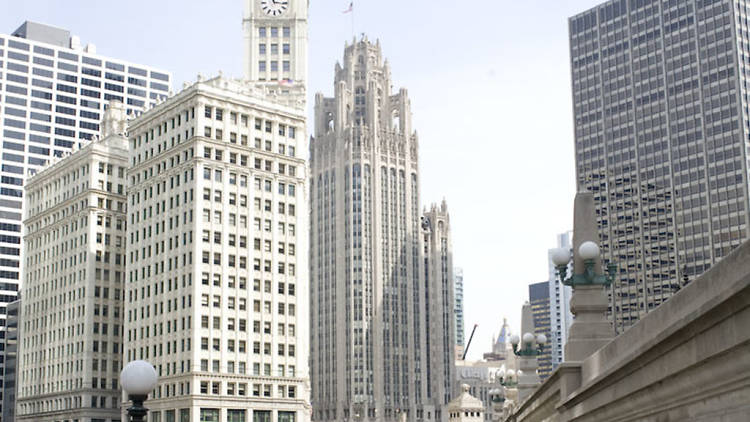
(353, 19)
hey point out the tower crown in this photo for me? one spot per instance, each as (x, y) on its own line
(276, 42)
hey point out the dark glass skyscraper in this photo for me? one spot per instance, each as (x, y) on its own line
(541, 312)
(661, 139)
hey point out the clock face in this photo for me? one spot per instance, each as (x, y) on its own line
(274, 7)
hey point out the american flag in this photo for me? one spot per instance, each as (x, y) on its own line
(350, 8)
(285, 82)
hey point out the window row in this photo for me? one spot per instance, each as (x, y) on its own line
(283, 248)
(240, 346)
(241, 303)
(217, 114)
(281, 370)
(260, 164)
(215, 323)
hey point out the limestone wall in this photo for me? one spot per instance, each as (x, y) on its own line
(687, 360)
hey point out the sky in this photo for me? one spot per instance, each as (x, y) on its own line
(489, 82)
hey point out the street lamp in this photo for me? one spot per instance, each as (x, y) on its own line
(138, 378)
(589, 252)
(532, 345)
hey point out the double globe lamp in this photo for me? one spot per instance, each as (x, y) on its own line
(138, 378)
(532, 345)
(588, 252)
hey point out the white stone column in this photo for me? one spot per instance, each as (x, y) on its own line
(590, 329)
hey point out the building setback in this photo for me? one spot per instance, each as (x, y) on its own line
(661, 135)
(370, 318)
(70, 349)
(440, 300)
(217, 287)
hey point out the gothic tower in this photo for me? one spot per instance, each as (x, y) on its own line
(369, 313)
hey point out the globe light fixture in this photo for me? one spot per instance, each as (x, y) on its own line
(514, 339)
(560, 256)
(588, 250)
(138, 378)
(541, 339)
(528, 338)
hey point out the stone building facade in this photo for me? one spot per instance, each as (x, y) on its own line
(439, 278)
(70, 332)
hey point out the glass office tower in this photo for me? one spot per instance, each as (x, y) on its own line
(661, 139)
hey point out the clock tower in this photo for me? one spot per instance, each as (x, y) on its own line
(276, 42)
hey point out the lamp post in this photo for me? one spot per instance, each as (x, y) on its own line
(590, 329)
(138, 378)
(503, 398)
(497, 400)
(528, 348)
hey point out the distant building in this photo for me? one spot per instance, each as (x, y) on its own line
(559, 303)
(540, 309)
(482, 376)
(458, 307)
(465, 407)
(501, 347)
(71, 329)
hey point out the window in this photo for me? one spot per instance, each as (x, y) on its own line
(211, 415)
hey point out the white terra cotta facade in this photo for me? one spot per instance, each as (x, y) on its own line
(217, 287)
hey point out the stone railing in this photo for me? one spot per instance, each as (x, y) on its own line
(687, 360)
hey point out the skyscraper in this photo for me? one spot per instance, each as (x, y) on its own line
(458, 307)
(53, 92)
(661, 136)
(559, 305)
(70, 352)
(370, 311)
(539, 301)
(217, 293)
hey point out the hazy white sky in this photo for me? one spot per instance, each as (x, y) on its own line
(489, 82)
